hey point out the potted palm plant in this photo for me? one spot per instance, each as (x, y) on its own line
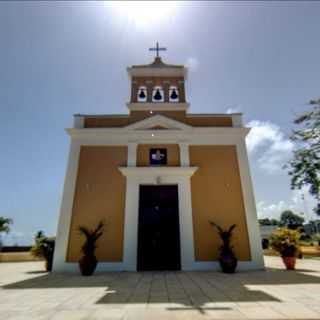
(286, 242)
(4, 227)
(228, 260)
(44, 248)
(88, 261)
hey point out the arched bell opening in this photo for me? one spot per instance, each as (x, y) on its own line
(173, 94)
(142, 94)
(157, 94)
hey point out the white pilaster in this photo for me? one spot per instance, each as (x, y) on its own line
(131, 224)
(62, 238)
(250, 207)
(186, 224)
(184, 154)
(132, 154)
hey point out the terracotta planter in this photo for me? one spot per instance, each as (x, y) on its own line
(87, 265)
(228, 263)
(289, 262)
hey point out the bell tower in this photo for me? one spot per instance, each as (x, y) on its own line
(157, 86)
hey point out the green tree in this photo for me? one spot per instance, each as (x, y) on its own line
(305, 165)
(291, 220)
(269, 222)
(4, 224)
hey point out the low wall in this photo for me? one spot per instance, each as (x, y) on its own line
(308, 251)
(17, 257)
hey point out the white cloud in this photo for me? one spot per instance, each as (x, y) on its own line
(304, 203)
(233, 110)
(272, 210)
(301, 203)
(192, 64)
(17, 238)
(270, 144)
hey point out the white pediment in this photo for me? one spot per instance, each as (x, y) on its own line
(159, 122)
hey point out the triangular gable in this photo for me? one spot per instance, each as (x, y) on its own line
(158, 128)
(158, 121)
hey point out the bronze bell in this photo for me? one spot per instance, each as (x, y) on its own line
(142, 95)
(157, 95)
(174, 95)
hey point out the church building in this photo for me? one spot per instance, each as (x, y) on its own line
(156, 177)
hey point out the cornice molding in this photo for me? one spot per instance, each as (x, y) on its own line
(196, 131)
(158, 120)
(156, 72)
(157, 106)
(158, 171)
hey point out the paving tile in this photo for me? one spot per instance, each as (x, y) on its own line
(296, 311)
(71, 315)
(224, 314)
(108, 314)
(275, 294)
(259, 312)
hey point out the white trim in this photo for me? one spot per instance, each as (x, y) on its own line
(130, 241)
(184, 154)
(157, 106)
(194, 135)
(250, 207)
(188, 115)
(164, 176)
(73, 267)
(158, 120)
(237, 120)
(158, 171)
(132, 154)
(62, 238)
(157, 72)
(78, 121)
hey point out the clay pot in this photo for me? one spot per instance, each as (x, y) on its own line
(48, 263)
(289, 262)
(87, 265)
(228, 263)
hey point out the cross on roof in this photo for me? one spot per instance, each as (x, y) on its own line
(157, 48)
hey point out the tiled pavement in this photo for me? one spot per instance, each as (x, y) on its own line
(27, 293)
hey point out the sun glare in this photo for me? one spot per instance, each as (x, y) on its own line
(143, 13)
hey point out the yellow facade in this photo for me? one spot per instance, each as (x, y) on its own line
(99, 196)
(205, 157)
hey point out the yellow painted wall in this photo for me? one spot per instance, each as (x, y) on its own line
(99, 195)
(217, 195)
(135, 116)
(173, 154)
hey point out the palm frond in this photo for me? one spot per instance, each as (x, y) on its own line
(231, 228)
(99, 228)
(98, 235)
(85, 231)
(217, 226)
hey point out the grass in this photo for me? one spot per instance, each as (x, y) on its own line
(311, 257)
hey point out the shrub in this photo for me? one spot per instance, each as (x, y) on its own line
(44, 248)
(286, 242)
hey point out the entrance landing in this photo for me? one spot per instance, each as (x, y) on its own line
(28, 293)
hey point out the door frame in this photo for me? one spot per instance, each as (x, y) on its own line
(179, 176)
(178, 226)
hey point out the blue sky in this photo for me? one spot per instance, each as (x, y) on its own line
(58, 58)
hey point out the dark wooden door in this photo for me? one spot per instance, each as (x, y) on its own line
(158, 230)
